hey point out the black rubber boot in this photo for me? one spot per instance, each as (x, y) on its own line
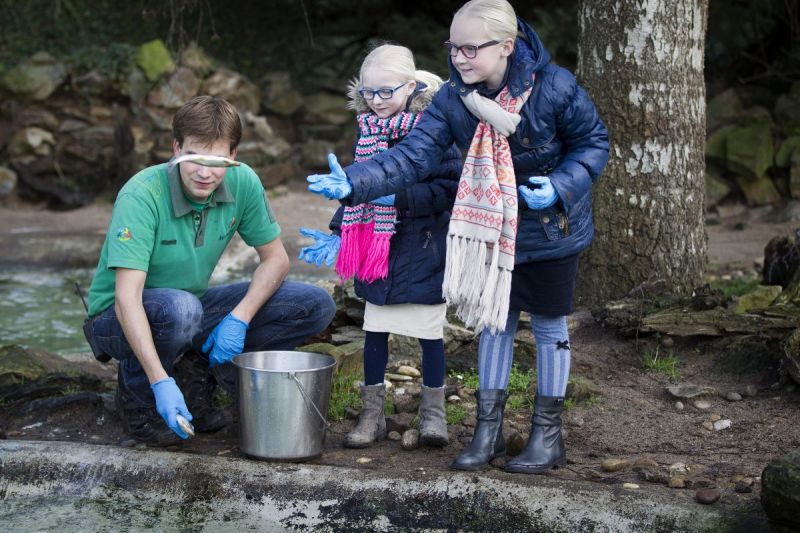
(142, 423)
(487, 442)
(197, 383)
(545, 448)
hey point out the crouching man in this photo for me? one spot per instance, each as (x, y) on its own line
(150, 306)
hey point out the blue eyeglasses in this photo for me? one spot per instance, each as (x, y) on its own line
(384, 93)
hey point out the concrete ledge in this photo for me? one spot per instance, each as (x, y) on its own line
(98, 486)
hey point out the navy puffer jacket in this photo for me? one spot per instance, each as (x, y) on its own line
(560, 136)
(417, 249)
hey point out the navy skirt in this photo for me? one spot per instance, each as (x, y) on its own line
(544, 287)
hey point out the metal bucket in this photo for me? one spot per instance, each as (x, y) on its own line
(283, 399)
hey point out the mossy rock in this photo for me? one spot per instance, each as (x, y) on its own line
(716, 187)
(749, 150)
(723, 109)
(154, 59)
(28, 374)
(759, 192)
(717, 145)
(783, 159)
(759, 298)
(780, 489)
(790, 362)
(36, 78)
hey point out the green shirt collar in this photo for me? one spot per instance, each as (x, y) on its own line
(180, 205)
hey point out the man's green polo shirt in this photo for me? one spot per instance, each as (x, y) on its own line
(154, 228)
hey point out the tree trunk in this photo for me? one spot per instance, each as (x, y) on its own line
(642, 63)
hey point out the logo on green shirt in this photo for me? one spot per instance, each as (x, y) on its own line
(124, 234)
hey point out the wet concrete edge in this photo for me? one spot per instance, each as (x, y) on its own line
(338, 498)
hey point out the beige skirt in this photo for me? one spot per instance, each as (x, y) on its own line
(413, 320)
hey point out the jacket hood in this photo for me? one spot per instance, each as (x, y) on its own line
(417, 102)
(529, 56)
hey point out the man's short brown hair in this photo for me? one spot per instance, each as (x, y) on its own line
(207, 119)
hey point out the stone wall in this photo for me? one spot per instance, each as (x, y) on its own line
(67, 136)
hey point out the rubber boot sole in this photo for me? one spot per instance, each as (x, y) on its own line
(535, 469)
(474, 468)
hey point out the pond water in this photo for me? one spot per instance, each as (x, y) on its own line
(40, 308)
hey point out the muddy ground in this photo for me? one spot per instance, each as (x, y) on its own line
(633, 418)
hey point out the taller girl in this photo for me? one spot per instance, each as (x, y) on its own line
(536, 142)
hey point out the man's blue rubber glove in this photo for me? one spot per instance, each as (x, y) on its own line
(325, 247)
(170, 404)
(335, 185)
(541, 195)
(226, 340)
(383, 200)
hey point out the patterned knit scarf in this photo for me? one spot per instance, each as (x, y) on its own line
(368, 228)
(483, 226)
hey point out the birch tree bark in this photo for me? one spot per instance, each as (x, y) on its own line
(642, 62)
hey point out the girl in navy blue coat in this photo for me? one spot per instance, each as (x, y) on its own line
(523, 211)
(394, 246)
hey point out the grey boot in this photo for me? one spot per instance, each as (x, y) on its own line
(371, 425)
(432, 424)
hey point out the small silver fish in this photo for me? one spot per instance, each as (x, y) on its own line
(185, 425)
(205, 160)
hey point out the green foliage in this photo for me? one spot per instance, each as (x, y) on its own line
(343, 396)
(69, 390)
(736, 286)
(664, 364)
(113, 61)
(454, 413)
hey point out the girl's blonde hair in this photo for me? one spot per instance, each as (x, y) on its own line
(498, 17)
(399, 60)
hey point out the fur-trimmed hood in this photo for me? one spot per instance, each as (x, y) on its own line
(417, 101)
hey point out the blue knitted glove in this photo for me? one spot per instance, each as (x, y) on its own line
(335, 185)
(384, 200)
(170, 404)
(324, 250)
(541, 195)
(226, 340)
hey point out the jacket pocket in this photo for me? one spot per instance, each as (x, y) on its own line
(555, 223)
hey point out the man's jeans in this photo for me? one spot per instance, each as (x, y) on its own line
(180, 322)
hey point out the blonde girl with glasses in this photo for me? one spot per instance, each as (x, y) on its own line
(523, 213)
(394, 246)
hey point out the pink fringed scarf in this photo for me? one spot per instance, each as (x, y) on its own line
(482, 235)
(368, 228)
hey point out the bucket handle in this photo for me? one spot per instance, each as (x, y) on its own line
(308, 400)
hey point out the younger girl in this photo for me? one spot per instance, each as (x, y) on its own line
(522, 215)
(395, 245)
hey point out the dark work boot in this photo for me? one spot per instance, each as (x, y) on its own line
(487, 442)
(545, 448)
(197, 383)
(142, 423)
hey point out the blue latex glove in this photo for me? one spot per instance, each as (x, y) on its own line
(542, 194)
(226, 340)
(335, 185)
(324, 250)
(170, 404)
(384, 200)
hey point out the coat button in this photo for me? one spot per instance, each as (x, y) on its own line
(526, 140)
(452, 84)
(462, 90)
(527, 83)
(545, 219)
